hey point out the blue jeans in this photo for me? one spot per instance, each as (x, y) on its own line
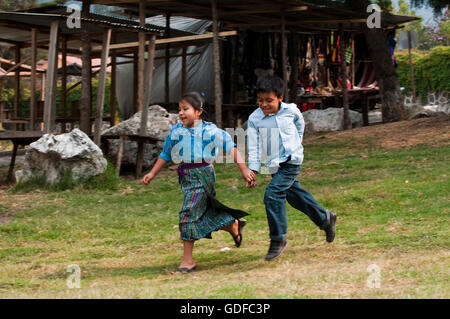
(285, 185)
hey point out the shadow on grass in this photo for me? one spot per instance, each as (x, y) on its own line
(148, 272)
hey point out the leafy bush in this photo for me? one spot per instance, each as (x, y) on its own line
(72, 95)
(431, 71)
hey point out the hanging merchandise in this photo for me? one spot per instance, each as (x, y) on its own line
(333, 44)
(321, 59)
(349, 53)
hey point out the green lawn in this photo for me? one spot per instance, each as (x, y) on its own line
(393, 211)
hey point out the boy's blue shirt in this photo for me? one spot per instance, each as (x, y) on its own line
(195, 145)
(264, 132)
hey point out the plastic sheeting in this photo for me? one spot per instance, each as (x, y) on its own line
(199, 69)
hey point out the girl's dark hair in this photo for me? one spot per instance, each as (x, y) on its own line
(197, 101)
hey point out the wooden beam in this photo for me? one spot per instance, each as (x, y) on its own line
(16, 66)
(21, 43)
(297, 22)
(50, 87)
(169, 40)
(101, 88)
(217, 81)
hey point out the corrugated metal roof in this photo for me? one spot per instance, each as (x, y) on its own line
(94, 21)
(263, 14)
(62, 10)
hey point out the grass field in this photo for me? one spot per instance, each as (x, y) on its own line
(393, 205)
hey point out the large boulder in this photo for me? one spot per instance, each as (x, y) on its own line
(53, 156)
(329, 120)
(158, 126)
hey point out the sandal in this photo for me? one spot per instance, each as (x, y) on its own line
(184, 270)
(241, 223)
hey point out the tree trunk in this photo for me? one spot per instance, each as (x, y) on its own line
(393, 108)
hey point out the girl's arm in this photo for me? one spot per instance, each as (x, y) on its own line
(247, 174)
(160, 163)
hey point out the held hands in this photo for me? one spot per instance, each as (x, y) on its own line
(147, 178)
(249, 177)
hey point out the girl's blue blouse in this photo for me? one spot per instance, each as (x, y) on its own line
(195, 145)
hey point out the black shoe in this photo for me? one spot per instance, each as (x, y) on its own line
(276, 249)
(330, 230)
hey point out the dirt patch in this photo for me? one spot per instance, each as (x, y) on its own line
(431, 131)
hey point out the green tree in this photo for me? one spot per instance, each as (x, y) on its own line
(6, 5)
(437, 5)
(385, 5)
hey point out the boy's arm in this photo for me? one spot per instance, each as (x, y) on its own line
(254, 152)
(299, 123)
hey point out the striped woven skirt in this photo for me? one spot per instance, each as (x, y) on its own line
(198, 217)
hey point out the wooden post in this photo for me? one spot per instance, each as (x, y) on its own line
(149, 76)
(140, 93)
(135, 82)
(167, 62)
(50, 87)
(284, 57)
(183, 71)
(33, 104)
(119, 155)
(347, 122)
(329, 44)
(16, 83)
(12, 163)
(86, 84)
(101, 87)
(294, 71)
(112, 96)
(365, 109)
(234, 70)
(217, 81)
(64, 80)
(43, 80)
(353, 60)
(411, 68)
(85, 121)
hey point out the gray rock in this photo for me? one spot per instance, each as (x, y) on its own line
(427, 113)
(52, 156)
(158, 125)
(329, 120)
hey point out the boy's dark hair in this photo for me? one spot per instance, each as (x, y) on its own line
(270, 83)
(197, 101)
